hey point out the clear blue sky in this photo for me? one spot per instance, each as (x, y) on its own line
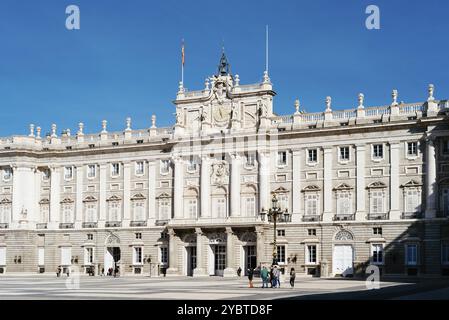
(125, 59)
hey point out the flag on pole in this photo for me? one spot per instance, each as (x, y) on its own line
(183, 52)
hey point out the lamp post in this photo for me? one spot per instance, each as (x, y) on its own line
(275, 214)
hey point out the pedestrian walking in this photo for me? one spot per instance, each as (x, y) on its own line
(272, 277)
(250, 277)
(239, 271)
(276, 275)
(264, 274)
(58, 272)
(292, 277)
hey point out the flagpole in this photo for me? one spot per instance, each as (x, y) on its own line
(182, 63)
(266, 48)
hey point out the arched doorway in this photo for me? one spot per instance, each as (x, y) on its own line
(112, 255)
(343, 254)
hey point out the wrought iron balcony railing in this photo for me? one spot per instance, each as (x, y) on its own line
(411, 215)
(138, 224)
(311, 218)
(66, 225)
(41, 225)
(113, 224)
(4, 225)
(90, 224)
(378, 216)
(344, 217)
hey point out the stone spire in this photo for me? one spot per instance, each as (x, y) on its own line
(224, 68)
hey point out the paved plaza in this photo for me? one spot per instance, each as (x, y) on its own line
(213, 288)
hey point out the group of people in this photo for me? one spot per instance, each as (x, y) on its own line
(59, 272)
(111, 272)
(272, 276)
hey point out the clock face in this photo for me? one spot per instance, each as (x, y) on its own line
(222, 113)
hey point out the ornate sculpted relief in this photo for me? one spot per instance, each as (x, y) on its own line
(220, 173)
(344, 235)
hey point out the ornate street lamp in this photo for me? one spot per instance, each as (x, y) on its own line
(275, 214)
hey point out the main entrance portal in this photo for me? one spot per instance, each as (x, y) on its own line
(111, 258)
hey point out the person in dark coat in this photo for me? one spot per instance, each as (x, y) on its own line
(292, 277)
(250, 277)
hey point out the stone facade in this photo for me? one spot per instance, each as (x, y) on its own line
(367, 185)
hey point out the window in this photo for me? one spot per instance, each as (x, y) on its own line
(90, 236)
(283, 201)
(220, 207)
(7, 174)
(91, 212)
(378, 151)
(377, 202)
(191, 166)
(311, 254)
(311, 232)
(140, 168)
(280, 254)
(115, 144)
(250, 206)
(5, 212)
(165, 166)
(41, 256)
(311, 204)
(66, 256)
(192, 205)
(377, 231)
(411, 254)
(377, 253)
(139, 235)
(2, 256)
(67, 213)
(164, 255)
(343, 203)
(445, 146)
(137, 255)
(344, 154)
(250, 160)
(68, 173)
(91, 171)
(282, 158)
(412, 201)
(114, 210)
(139, 210)
(46, 174)
(445, 253)
(412, 149)
(164, 208)
(312, 155)
(115, 169)
(88, 256)
(44, 212)
(281, 232)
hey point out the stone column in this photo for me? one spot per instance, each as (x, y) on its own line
(102, 200)
(200, 269)
(260, 246)
(328, 199)
(178, 204)
(264, 180)
(152, 208)
(230, 258)
(172, 254)
(360, 188)
(205, 187)
(235, 185)
(79, 197)
(55, 197)
(394, 182)
(127, 215)
(296, 186)
(431, 179)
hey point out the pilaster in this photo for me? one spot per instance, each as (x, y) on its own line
(235, 185)
(328, 203)
(431, 178)
(296, 186)
(205, 187)
(360, 184)
(200, 270)
(230, 256)
(394, 182)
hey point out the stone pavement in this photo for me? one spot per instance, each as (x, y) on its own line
(172, 288)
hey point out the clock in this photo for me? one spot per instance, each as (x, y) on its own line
(222, 114)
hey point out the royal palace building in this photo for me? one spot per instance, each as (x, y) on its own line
(356, 187)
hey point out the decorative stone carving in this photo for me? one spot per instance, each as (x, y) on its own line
(431, 92)
(361, 101)
(112, 239)
(220, 173)
(217, 238)
(394, 95)
(344, 235)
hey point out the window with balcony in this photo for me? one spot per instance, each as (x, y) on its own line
(377, 253)
(5, 211)
(219, 204)
(311, 204)
(90, 214)
(344, 201)
(114, 209)
(164, 208)
(250, 206)
(44, 208)
(192, 207)
(138, 210)
(377, 200)
(67, 211)
(412, 201)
